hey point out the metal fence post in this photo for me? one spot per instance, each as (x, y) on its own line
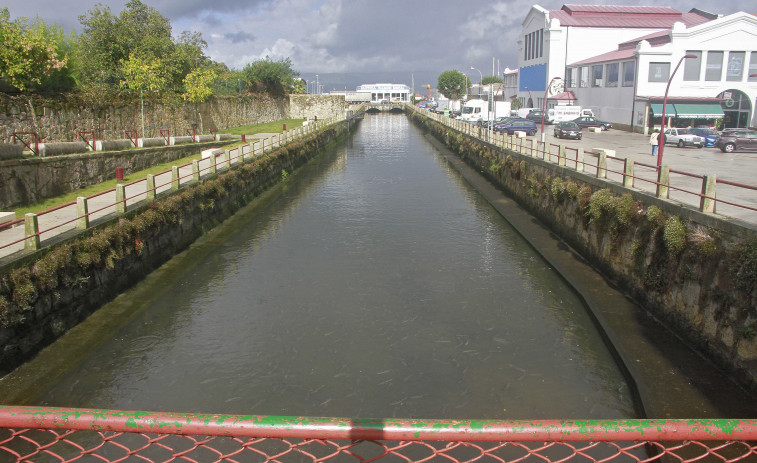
(628, 173)
(602, 165)
(120, 198)
(580, 160)
(82, 213)
(707, 200)
(196, 170)
(174, 178)
(663, 180)
(150, 187)
(31, 231)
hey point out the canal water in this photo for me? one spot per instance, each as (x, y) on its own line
(375, 282)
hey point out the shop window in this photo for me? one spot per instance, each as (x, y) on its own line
(659, 72)
(714, 70)
(692, 66)
(735, 69)
(753, 67)
(596, 72)
(629, 73)
(612, 74)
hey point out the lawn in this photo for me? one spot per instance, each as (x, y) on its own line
(266, 127)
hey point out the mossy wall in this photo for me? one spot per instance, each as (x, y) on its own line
(696, 272)
(44, 296)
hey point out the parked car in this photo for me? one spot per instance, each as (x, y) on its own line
(588, 121)
(536, 115)
(568, 129)
(731, 141)
(682, 138)
(517, 124)
(710, 135)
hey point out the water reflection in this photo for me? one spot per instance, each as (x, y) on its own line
(377, 283)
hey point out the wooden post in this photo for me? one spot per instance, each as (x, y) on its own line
(150, 187)
(31, 231)
(120, 198)
(663, 180)
(82, 213)
(707, 201)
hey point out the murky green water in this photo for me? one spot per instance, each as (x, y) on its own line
(376, 284)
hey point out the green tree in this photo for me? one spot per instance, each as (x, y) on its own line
(276, 77)
(144, 76)
(198, 87)
(452, 84)
(27, 55)
(515, 103)
(491, 80)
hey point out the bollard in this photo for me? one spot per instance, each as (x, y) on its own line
(244, 138)
(284, 128)
(119, 174)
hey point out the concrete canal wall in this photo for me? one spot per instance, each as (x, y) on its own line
(49, 292)
(697, 272)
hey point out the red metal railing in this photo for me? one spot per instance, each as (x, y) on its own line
(32, 434)
(236, 155)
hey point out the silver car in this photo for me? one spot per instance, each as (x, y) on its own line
(683, 137)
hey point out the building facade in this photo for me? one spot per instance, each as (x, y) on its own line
(387, 92)
(616, 60)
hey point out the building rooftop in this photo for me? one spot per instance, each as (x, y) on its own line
(648, 17)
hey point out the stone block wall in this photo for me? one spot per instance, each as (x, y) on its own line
(60, 118)
(322, 106)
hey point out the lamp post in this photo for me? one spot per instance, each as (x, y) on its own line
(661, 138)
(480, 85)
(544, 105)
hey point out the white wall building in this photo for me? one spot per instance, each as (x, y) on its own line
(713, 87)
(388, 92)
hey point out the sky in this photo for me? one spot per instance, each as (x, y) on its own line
(349, 42)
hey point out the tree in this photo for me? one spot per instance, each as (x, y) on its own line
(145, 76)
(515, 103)
(27, 56)
(276, 77)
(198, 87)
(452, 84)
(491, 80)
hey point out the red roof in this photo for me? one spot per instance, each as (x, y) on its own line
(648, 17)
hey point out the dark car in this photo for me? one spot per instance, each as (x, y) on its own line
(589, 121)
(731, 141)
(568, 129)
(536, 116)
(517, 125)
(710, 135)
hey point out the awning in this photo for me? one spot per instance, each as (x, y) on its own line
(698, 110)
(657, 109)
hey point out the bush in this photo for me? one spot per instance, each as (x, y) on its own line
(674, 235)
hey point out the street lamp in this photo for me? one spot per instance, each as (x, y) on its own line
(661, 138)
(480, 87)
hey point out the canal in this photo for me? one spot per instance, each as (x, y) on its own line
(374, 282)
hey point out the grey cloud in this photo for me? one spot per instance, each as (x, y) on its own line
(239, 37)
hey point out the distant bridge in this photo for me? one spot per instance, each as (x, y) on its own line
(395, 107)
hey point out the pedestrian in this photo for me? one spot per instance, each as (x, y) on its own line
(654, 140)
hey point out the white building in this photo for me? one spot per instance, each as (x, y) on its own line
(716, 86)
(617, 61)
(387, 92)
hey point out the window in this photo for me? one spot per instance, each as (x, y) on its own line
(714, 69)
(629, 73)
(584, 73)
(659, 72)
(735, 69)
(753, 67)
(596, 80)
(526, 47)
(692, 66)
(612, 74)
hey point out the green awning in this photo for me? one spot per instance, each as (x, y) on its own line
(657, 109)
(698, 110)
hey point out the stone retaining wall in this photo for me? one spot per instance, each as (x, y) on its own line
(695, 271)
